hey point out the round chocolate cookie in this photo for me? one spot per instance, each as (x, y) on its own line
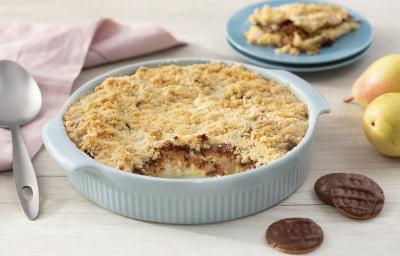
(357, 196)
(324, 185)
(294, 235)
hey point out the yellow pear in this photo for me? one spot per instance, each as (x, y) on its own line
(382, 76)
(381, 124)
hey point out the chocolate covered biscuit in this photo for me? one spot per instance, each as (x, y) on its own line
(324, 185)
(294, 235)
(357, 196)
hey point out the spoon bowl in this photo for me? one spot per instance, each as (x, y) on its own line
(20, 97)
(20, 102)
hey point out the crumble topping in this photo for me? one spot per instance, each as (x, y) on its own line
(298, 27)
(187, 121)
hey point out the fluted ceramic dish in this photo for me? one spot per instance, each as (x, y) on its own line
(186, 201)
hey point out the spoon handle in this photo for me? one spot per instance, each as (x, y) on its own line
(24, 176)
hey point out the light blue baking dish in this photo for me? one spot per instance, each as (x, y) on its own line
(186, 201)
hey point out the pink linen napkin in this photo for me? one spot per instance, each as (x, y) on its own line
(55, 55)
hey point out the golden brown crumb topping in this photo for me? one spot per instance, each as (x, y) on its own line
(299, 27)
(187, 121)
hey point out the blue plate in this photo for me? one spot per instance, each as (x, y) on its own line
(348, 45)
(294, 68)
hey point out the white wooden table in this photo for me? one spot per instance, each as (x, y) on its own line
(71, 225)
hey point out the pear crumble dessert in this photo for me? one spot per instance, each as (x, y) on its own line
(190, 121)
(299, 27)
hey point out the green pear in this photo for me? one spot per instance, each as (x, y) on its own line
(382, 76)
(381, 124)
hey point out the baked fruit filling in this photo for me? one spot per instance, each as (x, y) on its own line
(202, 120)
(184, 162)
(299, 27)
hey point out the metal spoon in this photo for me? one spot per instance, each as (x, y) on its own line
(20, 102)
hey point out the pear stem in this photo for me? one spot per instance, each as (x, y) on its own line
(348, 99)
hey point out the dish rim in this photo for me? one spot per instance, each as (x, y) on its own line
(303, 91)
(288, 58)
(302, 69)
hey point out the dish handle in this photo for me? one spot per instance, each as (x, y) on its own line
(61, 148)
(318, 103)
